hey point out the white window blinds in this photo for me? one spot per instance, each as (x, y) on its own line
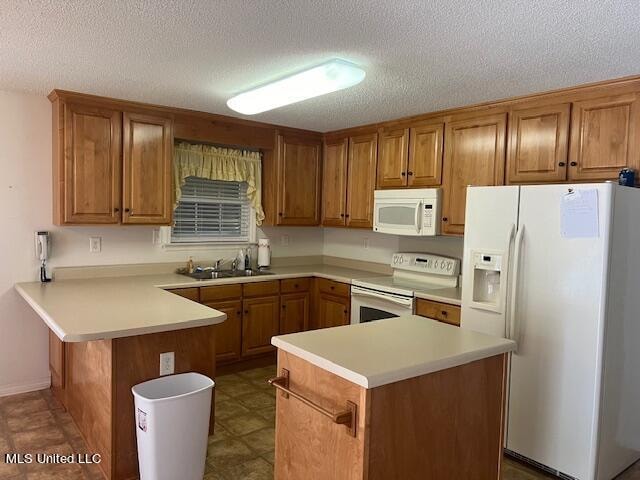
(211, 210)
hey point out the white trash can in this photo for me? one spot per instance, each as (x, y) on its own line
(172, 426)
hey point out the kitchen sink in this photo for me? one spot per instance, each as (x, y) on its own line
(213, 274)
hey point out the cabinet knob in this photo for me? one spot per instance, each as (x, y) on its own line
(410, 173)
(246, 312)
(279, 214)
(127, 210)
(573, 164)
(402, 173)
(332, 287)
(284, 306)
(444, 313)
(347, 215)
(342, 215)
(116, 210)
(238, 313)
(345, 310)
(445, 219)
(561, 164)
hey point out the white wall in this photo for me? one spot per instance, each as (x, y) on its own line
(370, 246)
(25, 206)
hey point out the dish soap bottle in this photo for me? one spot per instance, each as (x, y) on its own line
(240, 260)
(190, 267)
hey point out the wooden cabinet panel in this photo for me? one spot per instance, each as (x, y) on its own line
(443, 312)
(361, 180)
(295, 285)
(220, 292)
(190, 293)
(88, 173)
(56, 362)
(538, 140)
(332, 311)
(334, 183)
(147, 161)
(298, 162)
(228, 334)
(604, 137)
(256, 289)
(393, 150)
(425, 155)
(333, 288)
(260, 322)
(474, 155)
(294, 315)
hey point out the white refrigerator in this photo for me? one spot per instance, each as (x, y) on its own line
(557, 269)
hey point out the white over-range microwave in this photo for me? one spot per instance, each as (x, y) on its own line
(407, 212)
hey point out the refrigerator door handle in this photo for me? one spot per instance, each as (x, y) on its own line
(514, 284)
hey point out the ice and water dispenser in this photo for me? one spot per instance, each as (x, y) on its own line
(488, 278)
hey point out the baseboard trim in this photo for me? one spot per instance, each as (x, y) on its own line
(25, 387)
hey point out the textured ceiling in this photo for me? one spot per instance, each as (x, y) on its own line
(419, 56)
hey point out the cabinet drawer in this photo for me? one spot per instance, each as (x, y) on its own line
(220, 292)
(190, 293)
(294, 285)
(442, 312)
(261, 289)
(334, 288)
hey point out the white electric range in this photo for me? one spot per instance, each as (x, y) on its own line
(391, 296)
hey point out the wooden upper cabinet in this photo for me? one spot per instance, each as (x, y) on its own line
(474, 155)
(334, 182)
(425, 155)
(538, 140)
(87, 161)
(147, 163)
(604, 137)
(361, 180)
(393, 151)
(298, 164)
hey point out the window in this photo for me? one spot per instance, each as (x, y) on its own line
(212, 211)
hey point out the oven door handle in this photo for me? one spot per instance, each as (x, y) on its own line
(404, 301)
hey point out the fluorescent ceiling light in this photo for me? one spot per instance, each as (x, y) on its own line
(328, 77)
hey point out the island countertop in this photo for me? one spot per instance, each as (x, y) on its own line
(386, 351)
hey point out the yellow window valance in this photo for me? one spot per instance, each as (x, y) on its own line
(219, 163)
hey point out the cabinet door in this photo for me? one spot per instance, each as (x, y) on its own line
(294, 315)
(228, 334)
(334, 183)
(260, 322)
(90, 171)
(474, 154)
(604, 137)
(425, 155)
(361, 180)
(538, 139)
(148, 153)
(298, 181)
(333, 311)
(393, 148)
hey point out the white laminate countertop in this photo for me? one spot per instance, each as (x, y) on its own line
(386, 351)
(112, 307)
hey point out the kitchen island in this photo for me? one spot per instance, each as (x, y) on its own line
(402, 398)
(107, 335)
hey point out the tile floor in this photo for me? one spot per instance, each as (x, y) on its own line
(241, 449)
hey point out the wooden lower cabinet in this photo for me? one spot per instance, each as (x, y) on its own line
(260, 322)
(332, 311)
(294, 314)
(442, 312)
(97, 380)
(441, 426)
(228, 334)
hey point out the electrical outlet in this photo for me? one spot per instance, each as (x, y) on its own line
(167, 363)
(95, 244)
(284, 240)
(365, 242)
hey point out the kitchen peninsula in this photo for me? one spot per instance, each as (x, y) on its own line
(397, 398)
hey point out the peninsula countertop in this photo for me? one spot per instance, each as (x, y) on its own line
(386, 351)
(83, 309)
